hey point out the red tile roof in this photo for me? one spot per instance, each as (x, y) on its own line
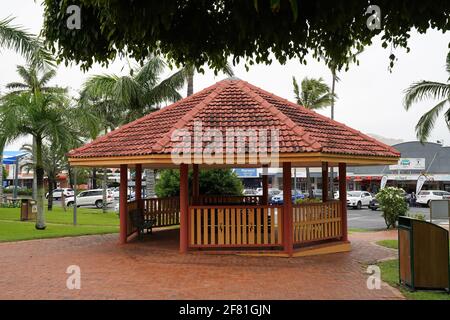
(235, 104)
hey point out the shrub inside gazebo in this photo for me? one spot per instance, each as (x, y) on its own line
(194, 133)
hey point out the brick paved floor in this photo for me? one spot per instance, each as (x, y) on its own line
(153, 269)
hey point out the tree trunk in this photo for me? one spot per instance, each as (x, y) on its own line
(308, 183)
(34, 186)
(40, 219)
(51, 185)
(1, 176)
(190, 83)
(104, 186)
(150, 183)
(94, 178)
(333, 85)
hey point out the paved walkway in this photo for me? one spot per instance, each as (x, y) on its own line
(153, 269)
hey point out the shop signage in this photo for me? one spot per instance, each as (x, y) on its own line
(246, 172)
(420, 181)
(384, 180)
(409, 164)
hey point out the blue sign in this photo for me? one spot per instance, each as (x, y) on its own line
(246, 172)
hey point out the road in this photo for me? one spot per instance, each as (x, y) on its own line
(372, 220)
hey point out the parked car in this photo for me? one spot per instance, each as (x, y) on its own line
(249, 192)
(57, 193)
(317, 193)
(116, 193)
(279, 199)
(426, 196)
(374, 204)
(92, 197)
(358, 199)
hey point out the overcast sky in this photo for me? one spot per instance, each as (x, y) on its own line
(370, 97)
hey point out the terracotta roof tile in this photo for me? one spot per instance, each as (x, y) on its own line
(235, 104)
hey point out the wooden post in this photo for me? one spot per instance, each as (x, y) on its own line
(195, 183)
(324, 181)
(184, 207)
(138, 185)
(123, 197)
(265, 185)
(343, 198)
(287, 209)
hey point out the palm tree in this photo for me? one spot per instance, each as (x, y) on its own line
(314, 94)
(334, 68)
(35, 79)
(46, 117)
(23, 42)
(190, 71)
(422, 90)
(30, 47)
(120, 99)
(54, 161)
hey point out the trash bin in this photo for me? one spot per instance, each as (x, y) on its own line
(423, 251)
(28, 209)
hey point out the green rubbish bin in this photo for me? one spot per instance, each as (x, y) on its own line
(28, 209)
(423, 251)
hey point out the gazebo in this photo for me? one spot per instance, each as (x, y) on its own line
(234, 124)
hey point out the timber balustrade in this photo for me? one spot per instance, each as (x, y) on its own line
(166, 210)
(251, 225)
(223, 200)
(235, 226)
(317, 221)
(131, 205)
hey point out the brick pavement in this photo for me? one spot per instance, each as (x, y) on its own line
(153, 269)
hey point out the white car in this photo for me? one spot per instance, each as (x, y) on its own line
(358, 199)
(424, 197)
(57, 193)
(92, 197)
(116, 193)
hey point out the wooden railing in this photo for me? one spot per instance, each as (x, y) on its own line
(203, 200)
(235, 226)
(131, 205)
(166, 210)
(317, 221)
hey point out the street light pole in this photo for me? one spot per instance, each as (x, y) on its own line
(74, 196)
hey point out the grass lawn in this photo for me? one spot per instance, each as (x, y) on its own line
(57, 215)
(59, 224)
(393, 244)
(389, 274)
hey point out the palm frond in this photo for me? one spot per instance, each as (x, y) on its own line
(447, 63)
(426, 122)
(23, 42)
(425, 90)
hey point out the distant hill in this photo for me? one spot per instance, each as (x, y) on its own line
(388, 141)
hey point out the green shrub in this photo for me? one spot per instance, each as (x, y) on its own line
(392, 204)
(212, 181)
(418, 216)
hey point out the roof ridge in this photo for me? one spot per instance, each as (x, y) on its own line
(390, 148)
(379, 143)
(166, 138)
(139, 120)
(313, 143)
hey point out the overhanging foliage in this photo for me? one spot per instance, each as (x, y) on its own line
(210, 31)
